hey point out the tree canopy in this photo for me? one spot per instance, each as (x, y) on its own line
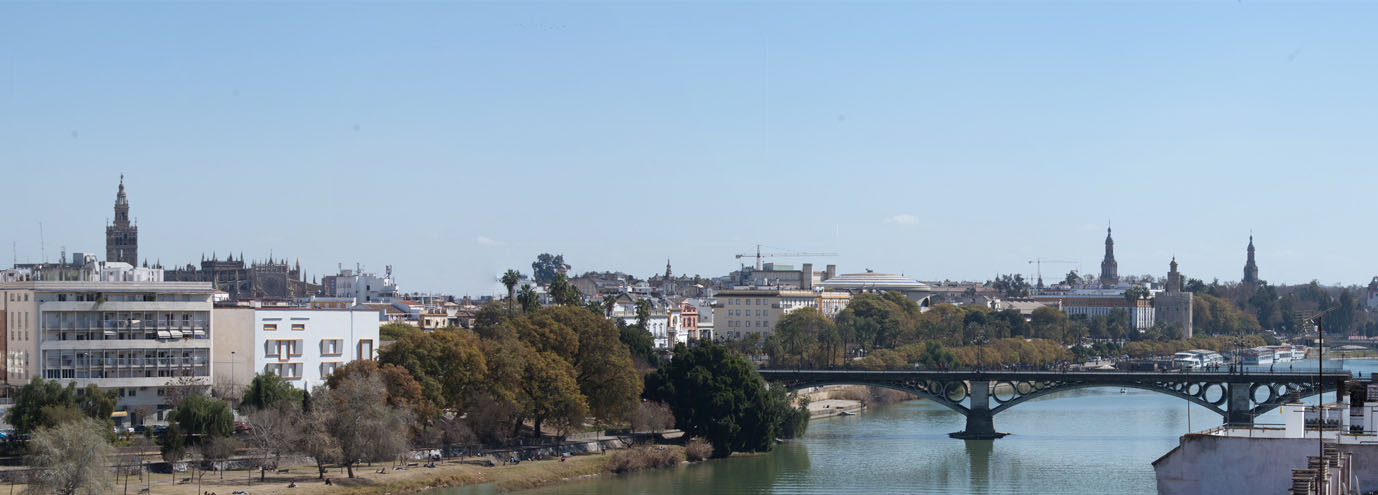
(717, 395)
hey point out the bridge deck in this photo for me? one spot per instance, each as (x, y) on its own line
(1081, 376)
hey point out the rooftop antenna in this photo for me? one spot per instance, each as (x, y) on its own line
(14, 252)
(42, 253)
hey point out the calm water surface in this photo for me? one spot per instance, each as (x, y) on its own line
(1084, 441)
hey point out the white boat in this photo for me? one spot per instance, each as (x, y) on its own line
(1258, 356)
(1196, 359)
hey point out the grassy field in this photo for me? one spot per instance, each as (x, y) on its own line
(528, 474)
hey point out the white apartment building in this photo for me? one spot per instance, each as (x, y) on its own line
(133, 336)
(303, 345)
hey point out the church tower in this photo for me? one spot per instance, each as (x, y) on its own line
(1250, 268)
(1174, 279)
(1108, 267)
(122, 238)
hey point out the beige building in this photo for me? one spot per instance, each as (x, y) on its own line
(738, 313)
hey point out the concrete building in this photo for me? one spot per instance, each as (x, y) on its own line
(362, 286)
(869, 281)
(302, 345)
(1173, 305)
(1101, 302)
(135, 337)
(738, 313)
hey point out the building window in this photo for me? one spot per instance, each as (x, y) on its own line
(270, 327)
(297, 327)
(328, 369)
(365, 349)
(332, 347)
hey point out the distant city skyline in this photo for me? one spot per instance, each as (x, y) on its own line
(454, 141)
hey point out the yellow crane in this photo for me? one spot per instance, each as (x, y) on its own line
(782, 254)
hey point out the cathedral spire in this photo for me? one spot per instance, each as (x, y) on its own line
(122, 238)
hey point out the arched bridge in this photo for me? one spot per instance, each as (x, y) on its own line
(980, 395)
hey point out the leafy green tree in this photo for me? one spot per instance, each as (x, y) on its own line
(510, 280)
(792, 421)
(609, 304)
(606, 374)
(267, 389)
(46, 403)
(448, 364)
(546, 266)
(528, 298)
(203, 416)
(96, 404)
(174, 444)
(394, 331)
(356, 415)
(638, 341)
(550, 391)
(643, 313)
(717, 395)
(797, 340)
(1011, 285)
(1072, 278)
(563, 292)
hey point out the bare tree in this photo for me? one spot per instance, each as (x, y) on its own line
(362, 423)
(176, 390)
(315, 438)
(274, 431)
(218, 451)
(72, 458)
(653, 417)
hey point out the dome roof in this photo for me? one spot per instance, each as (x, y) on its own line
(873, 281)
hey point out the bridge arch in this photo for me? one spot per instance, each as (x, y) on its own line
(1198, 399)
(907, 388)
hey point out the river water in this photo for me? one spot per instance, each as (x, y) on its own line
(1091, 441)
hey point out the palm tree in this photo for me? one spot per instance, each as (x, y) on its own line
(510, 279)
(643, 313)
(609, 302)
(527, 297)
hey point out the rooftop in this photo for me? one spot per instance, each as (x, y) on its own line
(872, 280)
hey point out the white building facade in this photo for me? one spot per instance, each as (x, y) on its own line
(302, 345)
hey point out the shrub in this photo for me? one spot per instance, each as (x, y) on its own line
(697, 449)
(640, 458)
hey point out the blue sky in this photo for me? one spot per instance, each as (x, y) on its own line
(938, 140)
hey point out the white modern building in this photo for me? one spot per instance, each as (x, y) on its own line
(364, 287)
(135, 336)
(303, 345)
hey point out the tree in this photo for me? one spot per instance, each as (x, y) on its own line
(510, 280)
(605, 372)
(447, 364)
(717, 395)
(202, 416)
(180, 388)
(267, 389)
(217, 451)
(72, 458)
(546, 266)
(796, 341)
(364, 427)
(652, 417)
(403, 390)
(27, 413)
(637, 340)
(275, 430)
(609, 304)
(643, 314)
(528, 298)
(394, 331)
(95, 403)
(174, 446)
(1011, 285)
(549, 391)
(316, 440)
(564, 293)
(1072, 279)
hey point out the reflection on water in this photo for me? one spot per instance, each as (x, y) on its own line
(1095, 440)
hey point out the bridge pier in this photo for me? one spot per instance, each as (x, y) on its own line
(1239, 406)
(980, 421)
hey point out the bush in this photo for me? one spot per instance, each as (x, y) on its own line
(697, 449)
(640, 458)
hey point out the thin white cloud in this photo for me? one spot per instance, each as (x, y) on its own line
(487, 241)
(902, 219)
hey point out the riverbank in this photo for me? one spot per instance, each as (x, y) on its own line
(827, 408)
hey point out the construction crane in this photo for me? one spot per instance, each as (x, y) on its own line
(1038, 266)
(782, 254)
